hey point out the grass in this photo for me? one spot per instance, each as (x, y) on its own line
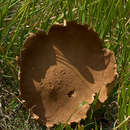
(109, 18)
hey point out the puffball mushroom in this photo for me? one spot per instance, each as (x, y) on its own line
(62, 69)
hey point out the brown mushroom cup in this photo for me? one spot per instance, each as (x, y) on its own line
(62, 69)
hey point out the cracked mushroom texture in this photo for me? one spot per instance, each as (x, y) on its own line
(62, 69)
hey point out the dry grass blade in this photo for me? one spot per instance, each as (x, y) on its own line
(127, 119)
(1, 50)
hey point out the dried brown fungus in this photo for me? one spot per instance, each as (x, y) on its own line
(61, 69)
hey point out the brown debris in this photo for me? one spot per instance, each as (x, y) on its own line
(63, 68)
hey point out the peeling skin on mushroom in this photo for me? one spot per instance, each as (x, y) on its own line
(61, 69)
